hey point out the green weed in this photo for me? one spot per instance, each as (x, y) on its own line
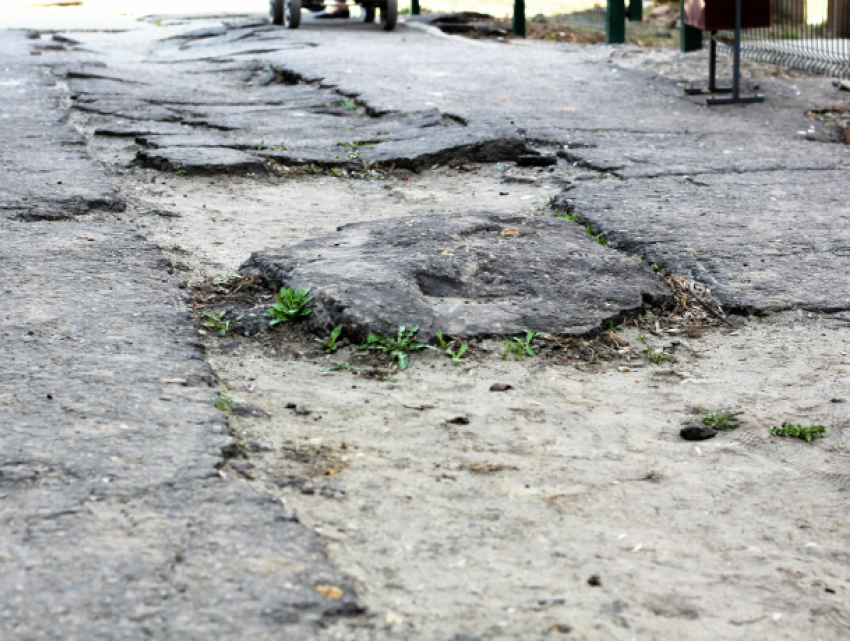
(597, 236)
(223, 402)
(350, 105)
(519, 347)
(219, 323)
(181, 172)
(338, 365)
(453, 348)
(456, 353)
(806, 432)
(397, 348)
(717, 420)
(289, 305)
(441, 339)
(354, 146)
(349, 127)
(311, 169)
(259, 147)
(651, 354)
(336, 172)
(330, 342)
(574, 217)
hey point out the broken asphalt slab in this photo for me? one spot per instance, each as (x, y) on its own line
(290, 123)
(115, 519)
(44, 169)
(465, 275)
(202, 160)
(759, 240)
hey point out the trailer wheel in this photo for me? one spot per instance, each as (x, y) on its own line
(389, 14)
(291, 13)
(276, 7)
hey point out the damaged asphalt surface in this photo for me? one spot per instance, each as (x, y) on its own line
(115, 520)
(116, 516)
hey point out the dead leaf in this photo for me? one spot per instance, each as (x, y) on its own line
(569, 108)
(510, 232)
(446, 253)
(330, 591)
(623, 369)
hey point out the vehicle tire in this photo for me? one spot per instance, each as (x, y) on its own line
(369, 14)
(276, 9)
(389, 14)
(291, 13)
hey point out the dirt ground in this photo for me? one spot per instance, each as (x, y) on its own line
(564, 506)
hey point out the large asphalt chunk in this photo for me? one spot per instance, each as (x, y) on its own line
(202, 160)
(468, 275)
(44, 170)
(758, 240)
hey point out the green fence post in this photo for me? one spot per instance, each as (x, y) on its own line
(615, 22)
(690, 37)
(519, 18)
(414, 7)
(635, 12)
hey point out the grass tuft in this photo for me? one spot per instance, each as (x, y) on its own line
(289, 305)
(396, 347)
(717, 420)
(806, 432)
(518, 346)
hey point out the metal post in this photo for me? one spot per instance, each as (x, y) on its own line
(712, 63)
(635, 12)
(736, 59)
(414, 7)
(519, 18)
(690, 38)
(615, 22)
(712, 71)
(736, 69)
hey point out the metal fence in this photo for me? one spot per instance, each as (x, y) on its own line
(813, 35)
(587, 19)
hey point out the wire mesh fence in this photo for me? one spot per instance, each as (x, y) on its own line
(593, 18)
(813, 35)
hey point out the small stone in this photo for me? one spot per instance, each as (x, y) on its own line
(459, 420)
(697, 433)
(302, 411)
(594, 581)
(291, 406)
(500, 387)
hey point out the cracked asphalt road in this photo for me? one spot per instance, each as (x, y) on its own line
(121, 517)
(115, 520)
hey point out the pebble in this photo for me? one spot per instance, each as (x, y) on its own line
(697, 433)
